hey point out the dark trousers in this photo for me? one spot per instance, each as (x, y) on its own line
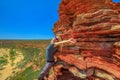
(47, 68)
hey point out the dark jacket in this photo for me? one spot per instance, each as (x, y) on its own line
(50, 52)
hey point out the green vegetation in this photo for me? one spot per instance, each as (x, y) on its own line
(27, 74)
(34, 57)
(3, 61)
(12, 55)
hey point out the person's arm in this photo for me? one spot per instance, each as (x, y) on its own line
(65, 41)
(57, 43)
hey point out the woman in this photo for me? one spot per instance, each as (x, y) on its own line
(51, 49)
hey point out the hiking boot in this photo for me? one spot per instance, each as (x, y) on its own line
(41, 77)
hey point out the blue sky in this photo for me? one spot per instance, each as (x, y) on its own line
(28, 19)
(116, 0)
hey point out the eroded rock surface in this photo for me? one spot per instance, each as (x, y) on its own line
(95, 24)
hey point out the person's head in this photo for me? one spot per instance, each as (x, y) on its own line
(55, 40)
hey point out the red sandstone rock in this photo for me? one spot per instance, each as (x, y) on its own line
(95, 24)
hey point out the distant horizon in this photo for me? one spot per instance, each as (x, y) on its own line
(28, 19)
(41, 38)
(33, 37)
(27, 39)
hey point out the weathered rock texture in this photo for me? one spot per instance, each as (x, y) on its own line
(95, 24)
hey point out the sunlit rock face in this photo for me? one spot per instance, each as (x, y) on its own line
(95, 24)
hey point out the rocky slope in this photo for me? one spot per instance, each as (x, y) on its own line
(95, 24)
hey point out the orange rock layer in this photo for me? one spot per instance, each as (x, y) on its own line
(95, 24)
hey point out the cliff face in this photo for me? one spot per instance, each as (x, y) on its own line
(95, 24)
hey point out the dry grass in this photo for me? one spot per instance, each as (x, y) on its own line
(25, 59)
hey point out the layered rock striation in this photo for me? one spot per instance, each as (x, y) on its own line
(95, 24)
